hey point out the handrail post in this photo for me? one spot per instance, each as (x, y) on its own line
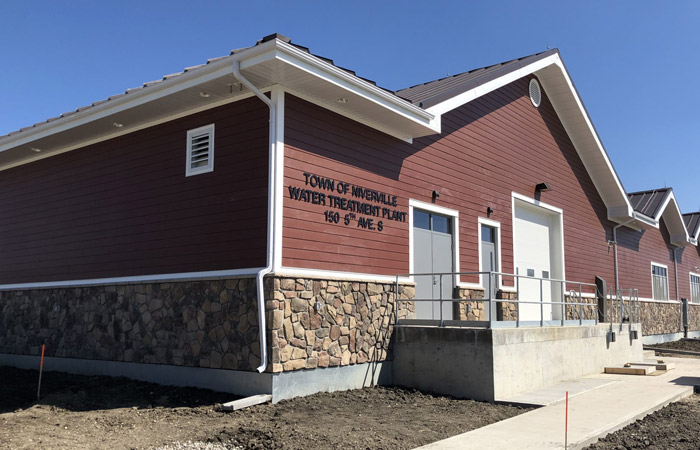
(562, 288)
(517, 299)
(442, 320)
(396, 299)
(490, 300)
(541, 304)
(580, 306)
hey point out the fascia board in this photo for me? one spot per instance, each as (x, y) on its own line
(472, 94)
(183, 81)
(678, 224)
(332, 74)
(645, 219)
(552, 60)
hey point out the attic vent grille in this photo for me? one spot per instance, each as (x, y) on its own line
(535, 93)
(200, 150)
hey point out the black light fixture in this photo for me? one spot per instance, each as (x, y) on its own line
(436, 195)
(542, 187)
(489, 211)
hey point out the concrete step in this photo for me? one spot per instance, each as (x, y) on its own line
(649, 354)
(246, 402)
(660, 364)
(632, 369)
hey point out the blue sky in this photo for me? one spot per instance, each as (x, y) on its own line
(634, 63)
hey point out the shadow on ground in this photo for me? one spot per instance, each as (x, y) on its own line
(18, 389)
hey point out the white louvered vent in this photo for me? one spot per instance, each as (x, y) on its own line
(535, 93)
(200, 150)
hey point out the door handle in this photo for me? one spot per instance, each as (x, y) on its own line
(435, 282)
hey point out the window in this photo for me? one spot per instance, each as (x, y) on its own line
(430, 221)
(659, 281)
(695, 288)
(200, 150)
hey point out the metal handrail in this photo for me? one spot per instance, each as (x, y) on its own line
(488, 295)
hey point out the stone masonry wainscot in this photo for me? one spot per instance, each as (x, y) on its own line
(328, 323)
(209, 323)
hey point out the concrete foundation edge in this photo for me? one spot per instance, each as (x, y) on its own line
(306, 382)
(230, 381)
(661, 338)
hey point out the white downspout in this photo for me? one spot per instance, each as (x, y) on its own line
(272, 169)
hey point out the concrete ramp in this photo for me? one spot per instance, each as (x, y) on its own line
(592, 414)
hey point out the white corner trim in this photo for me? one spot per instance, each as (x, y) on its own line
(278, 100)
(158, 278)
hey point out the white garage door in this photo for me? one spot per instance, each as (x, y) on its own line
(534, 236)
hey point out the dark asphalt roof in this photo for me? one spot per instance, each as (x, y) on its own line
(433, 92)
(649, 202)
(692, 222)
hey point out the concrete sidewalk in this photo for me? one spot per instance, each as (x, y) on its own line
(612, 402)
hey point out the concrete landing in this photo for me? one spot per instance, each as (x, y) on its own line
(592, 413)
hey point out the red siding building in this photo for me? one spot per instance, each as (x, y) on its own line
(268, 212)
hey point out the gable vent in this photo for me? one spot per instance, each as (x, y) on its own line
(535, 93)
(200, 150)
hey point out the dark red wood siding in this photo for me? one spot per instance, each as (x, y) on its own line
(638, 250)
(124, 207)
(489, 148)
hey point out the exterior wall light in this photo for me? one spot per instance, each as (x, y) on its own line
(489, 211)
(542, 187)
(436, 195)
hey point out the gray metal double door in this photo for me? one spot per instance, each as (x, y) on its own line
(433, 253)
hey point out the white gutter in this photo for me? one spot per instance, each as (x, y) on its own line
(262, 326)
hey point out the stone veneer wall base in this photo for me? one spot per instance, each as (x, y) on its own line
(230, 381)
(306, 382)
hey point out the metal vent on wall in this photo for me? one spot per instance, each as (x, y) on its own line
(535, 93)
(200, 150)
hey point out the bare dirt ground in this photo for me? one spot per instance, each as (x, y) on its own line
(675, 427)
(80, 412)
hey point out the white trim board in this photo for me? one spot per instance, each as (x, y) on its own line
(499, 264)
(158, 278)
(278, 98)
(454, 214)
(555, 81)
(296, 272)
(553, 210)
(132, 129)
